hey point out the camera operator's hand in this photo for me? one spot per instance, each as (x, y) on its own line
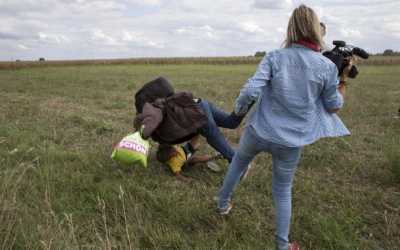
(343, 77)
(350, 61)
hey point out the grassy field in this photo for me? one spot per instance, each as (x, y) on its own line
(59, 188)
(234, 60)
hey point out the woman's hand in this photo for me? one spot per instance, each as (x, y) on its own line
(350, 61)
(343, 77)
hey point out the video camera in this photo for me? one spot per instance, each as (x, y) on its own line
(340, 56)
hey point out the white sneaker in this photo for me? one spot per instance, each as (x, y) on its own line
(213, 166)
(225, 211)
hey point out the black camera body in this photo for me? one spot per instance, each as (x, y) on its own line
(340, 56)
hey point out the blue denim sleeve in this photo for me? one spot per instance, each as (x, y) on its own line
(331, 96)
(253, 88)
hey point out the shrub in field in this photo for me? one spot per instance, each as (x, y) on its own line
(260, 54)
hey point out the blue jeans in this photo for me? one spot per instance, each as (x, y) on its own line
(218, 118)
(284, 164)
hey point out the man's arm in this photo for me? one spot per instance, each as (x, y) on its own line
(150, 118)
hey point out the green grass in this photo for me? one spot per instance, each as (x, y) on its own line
(60, 189)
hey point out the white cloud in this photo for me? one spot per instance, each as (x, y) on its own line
(199, 32)
(350, 33)
(392, 28)
(251, 27)
(280, 30)
(53, 38)
(123, 40)
(272, 4)
(145, 2)
(139, 39)
(98, 36)
(129, 36)
(22, 47)
(126, 28)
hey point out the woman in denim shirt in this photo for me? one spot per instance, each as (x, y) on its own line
(298, 93)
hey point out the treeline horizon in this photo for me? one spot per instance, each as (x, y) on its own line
(234, 60)
(386, 52)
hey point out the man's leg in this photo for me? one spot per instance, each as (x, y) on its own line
(214, 136)
(223, 119)
(190, 149)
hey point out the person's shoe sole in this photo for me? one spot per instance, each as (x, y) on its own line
(213, 166)
(246, 173)
(225, 211)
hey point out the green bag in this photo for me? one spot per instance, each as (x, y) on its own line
(132, 149)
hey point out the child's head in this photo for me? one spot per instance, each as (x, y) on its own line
(165, 152)
(173, 156)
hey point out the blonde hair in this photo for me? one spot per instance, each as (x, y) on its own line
(303, 25)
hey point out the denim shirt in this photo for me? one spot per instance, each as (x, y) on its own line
(294, 88)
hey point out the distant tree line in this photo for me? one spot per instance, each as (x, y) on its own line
(260, 54)
(390, 52)
(386, 52)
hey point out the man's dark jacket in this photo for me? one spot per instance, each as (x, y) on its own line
(172, 120)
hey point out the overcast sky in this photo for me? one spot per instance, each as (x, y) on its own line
(79, 29)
